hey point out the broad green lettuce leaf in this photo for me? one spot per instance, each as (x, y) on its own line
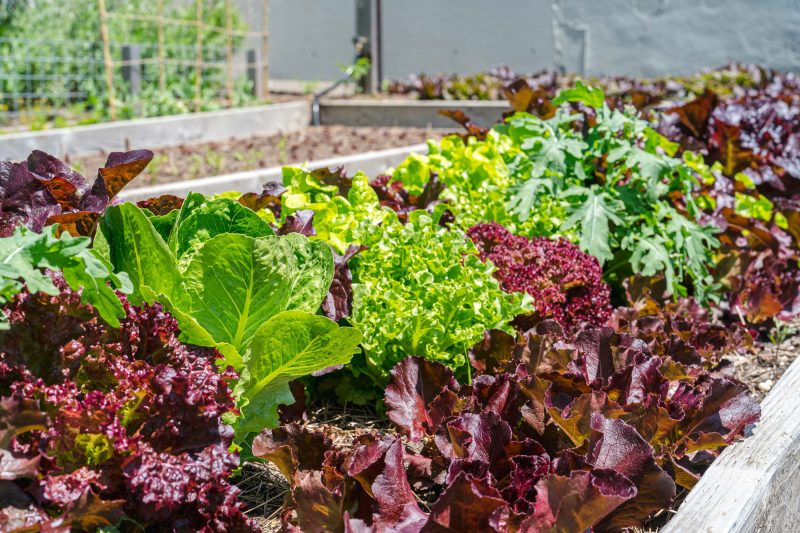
(314, 273)
(235, 283)
(163, 223)
(137, 248)
(290, 345)
(228, 287)
(215, 217)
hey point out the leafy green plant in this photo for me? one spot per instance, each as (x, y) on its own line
(234, 285)
(346, 210)
(76, 35)
(421, 289)
(478, 175)
(357, 70)
(602, 178)
(616, 178)
(25, 255)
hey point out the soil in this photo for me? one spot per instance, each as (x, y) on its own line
(264, 488)
(192, 161)
(762, 369)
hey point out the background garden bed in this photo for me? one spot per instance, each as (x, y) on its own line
(198, 160)
(158, 132)
(404, 112)
(371, 163)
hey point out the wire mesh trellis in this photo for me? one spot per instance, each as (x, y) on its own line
(179, 63)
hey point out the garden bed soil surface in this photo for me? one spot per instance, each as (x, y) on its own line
(264, 488)
(192, 161)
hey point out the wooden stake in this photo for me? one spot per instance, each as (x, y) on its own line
(198, 68)
(229, 43)
(112, 111)
(265, 47)
(162, 74)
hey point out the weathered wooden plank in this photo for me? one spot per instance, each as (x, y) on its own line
(159, 131)
(754, 486)
(408, 113)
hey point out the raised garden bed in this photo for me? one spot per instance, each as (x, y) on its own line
(406, 113)
(161, 131)
(374, 163)
(199, 160)
(537, 320)
(415, 102)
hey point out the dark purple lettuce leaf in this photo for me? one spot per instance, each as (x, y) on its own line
(616, 446)
(43, 190)
(317, 508)
(161, 205)
(270, 198)
(338, 303)
(473, 129)
(577, 502)
(392, 194)
(292, 447)
(468, 504)
(420, 396)
(301, 222)
(378, 467)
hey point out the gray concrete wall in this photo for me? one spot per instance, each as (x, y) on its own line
(635, 37)
(309, 37)
(465, 35)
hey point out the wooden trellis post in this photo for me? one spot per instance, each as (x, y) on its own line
(162, 74)
(265, 47)
(109, 65)
(198, 66)
(229, 48)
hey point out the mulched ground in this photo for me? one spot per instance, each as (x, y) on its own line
(192, 161)
(263, 486)
(763, 369)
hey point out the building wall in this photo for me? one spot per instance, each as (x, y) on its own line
(635, 37)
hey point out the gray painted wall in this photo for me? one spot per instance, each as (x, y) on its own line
(636, 37)
(465, 35)
(309, 37)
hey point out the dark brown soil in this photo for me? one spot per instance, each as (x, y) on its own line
(192, 161)
(763, 369)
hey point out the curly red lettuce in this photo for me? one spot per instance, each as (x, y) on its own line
(101, 425)
(565, 283)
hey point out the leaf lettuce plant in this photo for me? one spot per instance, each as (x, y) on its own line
(235, 285)
(421, 289)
